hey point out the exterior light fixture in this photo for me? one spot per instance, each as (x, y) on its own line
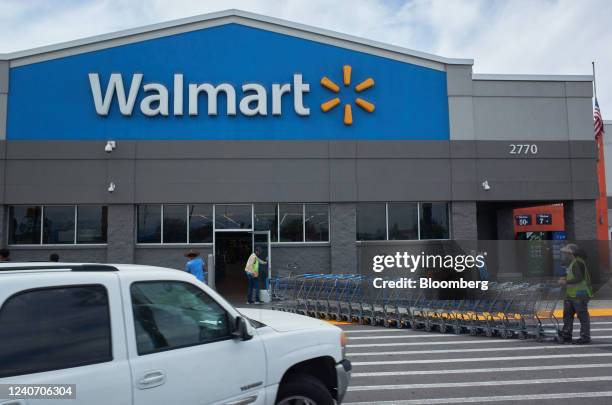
(110, 146)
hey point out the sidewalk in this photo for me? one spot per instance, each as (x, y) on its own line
(596, 308)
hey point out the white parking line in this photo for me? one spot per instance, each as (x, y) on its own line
(409, 330)
(445, 342)
(421, 335)
(477, 383)
(596, 323)
(441, 335)
(376, 330)
(480, 359)
(452, 342)
(534, 397)
(480, 370)
(485, 349)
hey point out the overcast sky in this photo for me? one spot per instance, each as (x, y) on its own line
(515, 36)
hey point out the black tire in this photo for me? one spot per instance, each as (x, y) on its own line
(304, 386)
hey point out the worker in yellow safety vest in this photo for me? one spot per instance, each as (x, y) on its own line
(252, 272)
(578, 292)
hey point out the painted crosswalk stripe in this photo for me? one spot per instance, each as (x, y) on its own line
(414, 336)
(452, 342)
(480, 370)
(392, 330)
(500, 398)
(426, 343)
(421, 335)
(478, 383)
(484, 349)
(481, 359)
(375, 330)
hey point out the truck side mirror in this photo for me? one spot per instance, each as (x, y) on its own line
(241, 329)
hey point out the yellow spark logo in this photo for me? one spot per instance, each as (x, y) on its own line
(346, 79)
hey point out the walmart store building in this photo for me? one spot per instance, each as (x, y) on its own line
(231, 123)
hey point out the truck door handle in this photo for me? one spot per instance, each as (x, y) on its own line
(152, 379)
(243, 401)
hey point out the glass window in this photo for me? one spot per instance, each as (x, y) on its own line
(58, 225)
(266, 219)
(317, 222)
(403, 218)
(371, 221)
(175, 224)
(201, 223)
(434, 221)
(291, 219)
(149, 224)
(233, 217)
(92, 224)
(171, 314)
(24, 225)
(54, 328)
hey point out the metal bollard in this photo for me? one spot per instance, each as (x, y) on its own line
(211, 271)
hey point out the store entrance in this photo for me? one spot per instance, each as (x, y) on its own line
(232, 249)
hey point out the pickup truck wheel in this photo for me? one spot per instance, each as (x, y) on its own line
(304, 390)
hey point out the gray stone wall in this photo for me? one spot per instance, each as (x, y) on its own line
(580, 219)
(121, 233)
(463, 220)
(4, 87)
(298, 258)
(172, 257)
(343, 233)
(301, 258)
(70, 254)
(506, 248)
(3, 225)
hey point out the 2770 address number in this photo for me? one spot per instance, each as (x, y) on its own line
(523, 149)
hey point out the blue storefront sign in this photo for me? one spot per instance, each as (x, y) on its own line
(226, 82)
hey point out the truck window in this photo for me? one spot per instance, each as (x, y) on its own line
(54, 328)
(172, 314)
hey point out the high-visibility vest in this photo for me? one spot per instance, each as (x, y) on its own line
(582, 289)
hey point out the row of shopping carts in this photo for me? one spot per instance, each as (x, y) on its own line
(505, 309)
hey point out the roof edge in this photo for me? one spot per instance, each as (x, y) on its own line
(532, 78)
(225, 14)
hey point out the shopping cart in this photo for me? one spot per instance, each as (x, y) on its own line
(507, 310)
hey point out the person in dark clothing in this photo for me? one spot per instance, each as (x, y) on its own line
(578, 292)
(54, 257)
(5, 255)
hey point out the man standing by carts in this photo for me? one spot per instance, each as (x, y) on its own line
(578, 292)
(252, 272)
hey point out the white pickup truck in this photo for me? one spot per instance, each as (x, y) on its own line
(142, 335)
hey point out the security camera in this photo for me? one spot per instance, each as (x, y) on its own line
(485, 185)
(111, 187)
(110, 146)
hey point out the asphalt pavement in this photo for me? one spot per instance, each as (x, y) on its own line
(406, 367)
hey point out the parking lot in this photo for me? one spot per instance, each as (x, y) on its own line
(401, 366)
